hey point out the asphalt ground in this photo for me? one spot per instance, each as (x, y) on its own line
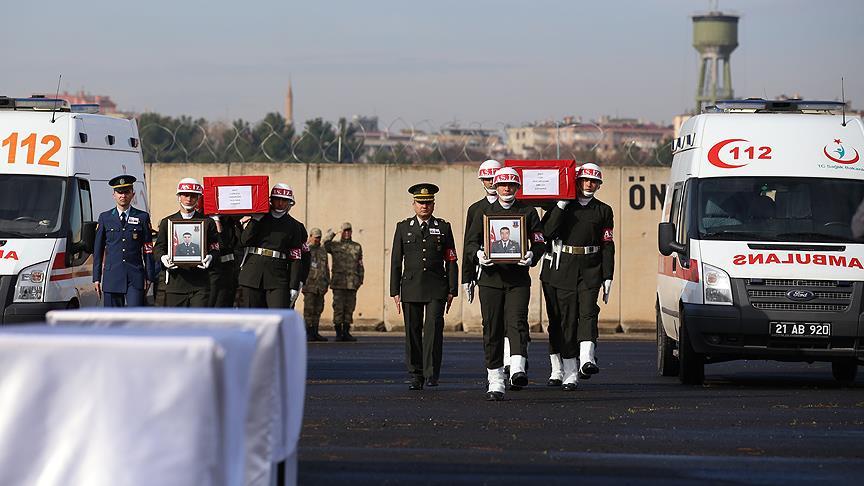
(752, 422)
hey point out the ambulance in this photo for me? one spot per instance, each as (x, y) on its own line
(757, 255)
(55, 163)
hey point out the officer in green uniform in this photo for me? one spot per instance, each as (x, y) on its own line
(185, 287)
(316, 286)
(346, 278)
(425, 285)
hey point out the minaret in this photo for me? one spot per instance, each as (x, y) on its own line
(289, 105)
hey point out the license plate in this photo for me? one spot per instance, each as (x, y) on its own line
(800, 329)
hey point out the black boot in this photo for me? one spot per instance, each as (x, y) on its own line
(316, 336)
(346, 336)
(339, 335)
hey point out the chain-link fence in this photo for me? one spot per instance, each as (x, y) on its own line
(366, 140)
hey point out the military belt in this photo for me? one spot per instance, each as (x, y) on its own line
(227, 258)
(268, 253)
(580, 250)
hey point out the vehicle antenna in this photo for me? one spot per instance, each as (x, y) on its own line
(54, 110)
(843, 96)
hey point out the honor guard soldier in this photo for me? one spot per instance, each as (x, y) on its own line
(316, 286)
(505, 288)
(470, 267)
(124, 244)
(185, 287)
(582, 263)
(346, 278)
(223, 271)
(425, 285)
(273, 269)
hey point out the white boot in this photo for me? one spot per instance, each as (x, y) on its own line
(518, 378)
(557, 374)
(587, 363)
(571, 375)
(507, 352)
(496, 389)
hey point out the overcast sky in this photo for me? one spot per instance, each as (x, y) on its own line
(475, 62)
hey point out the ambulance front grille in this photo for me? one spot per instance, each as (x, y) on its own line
(847, 296)
(799, 295)
(800, 307)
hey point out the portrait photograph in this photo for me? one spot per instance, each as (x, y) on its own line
(188, 240)
(504, 238)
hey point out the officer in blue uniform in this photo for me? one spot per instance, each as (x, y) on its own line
(124, 244)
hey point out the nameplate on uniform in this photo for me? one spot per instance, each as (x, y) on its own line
(434, 231)
(132, 220)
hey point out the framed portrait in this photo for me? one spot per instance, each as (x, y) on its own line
(189, 239)
(504, 238)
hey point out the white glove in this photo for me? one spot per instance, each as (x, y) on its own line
(526, 262)
(469, 290)
(607, 287)
(481, 258)
(215, 217)
(293, 294)
(205, 263)
(562, 204)
(167, 263)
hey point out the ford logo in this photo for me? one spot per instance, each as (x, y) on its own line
(800, 295)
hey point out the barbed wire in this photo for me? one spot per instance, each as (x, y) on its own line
(399, 142)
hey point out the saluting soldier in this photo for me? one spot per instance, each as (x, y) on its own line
(583, 263)
(347, 276)
(185, 287)
(223, 274)
(505, 288)
(124, 243)
(273, 269)
(425, 286)
(316, 286)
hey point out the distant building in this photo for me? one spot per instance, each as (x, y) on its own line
(106, 105)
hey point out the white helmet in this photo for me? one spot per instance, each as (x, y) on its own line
(487, 169)
(590, 171)
(284, 191)
(189, 185)
(506, 174)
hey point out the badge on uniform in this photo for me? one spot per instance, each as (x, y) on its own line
(134, 235)
(434, 231)
(132, 220)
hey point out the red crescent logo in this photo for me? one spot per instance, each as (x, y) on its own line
(839, 161)
(714, 154)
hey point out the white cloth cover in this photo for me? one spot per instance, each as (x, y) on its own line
(495, 377)
(517, 364)
(586, 352)
(570, 373)
(106, 407)
(277, 380)
(557, 373)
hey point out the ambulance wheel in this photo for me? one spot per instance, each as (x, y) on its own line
(845, 370)
(73, 304)
(692, 363)
(667, 363)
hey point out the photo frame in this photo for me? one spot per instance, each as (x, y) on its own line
(504, 238)
(189, 242)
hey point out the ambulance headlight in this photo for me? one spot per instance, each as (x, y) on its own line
(30, 286)
(717, 285)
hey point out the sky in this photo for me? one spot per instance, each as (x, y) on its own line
(423, 64)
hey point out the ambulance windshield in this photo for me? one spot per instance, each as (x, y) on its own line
(31, 206)
(788, 209)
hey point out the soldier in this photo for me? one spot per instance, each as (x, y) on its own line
(124, 239)
(273, 269)
(583, 263)
(223, 274)
(185, 287)
(505, 289)
(427, 286)
(347, 277)
(316, 286)
(470, 267)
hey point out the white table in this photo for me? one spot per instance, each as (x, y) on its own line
(277, 380)
(98, 406)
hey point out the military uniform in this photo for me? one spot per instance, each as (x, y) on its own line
(185, 287)
(469, 262)
(317, 283)
(223, 270)
(501, 246)
(346, 277)
(430, 273)
(124, 245)
(273, 265)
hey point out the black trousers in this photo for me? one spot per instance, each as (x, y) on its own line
(279, 298)
(424, 337)
(578, 312)
(505, 312)
(554, 327)
(195, 298)
(223, 285)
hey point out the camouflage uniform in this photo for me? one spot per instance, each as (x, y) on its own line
(346, 278)
(314, 289)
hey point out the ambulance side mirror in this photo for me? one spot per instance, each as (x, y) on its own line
(88, 236)
(666, 240)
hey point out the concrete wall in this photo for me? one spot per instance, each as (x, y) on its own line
(374, 197)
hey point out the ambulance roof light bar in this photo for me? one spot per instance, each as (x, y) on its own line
(35, 103)
(89, 108)
(758, 105)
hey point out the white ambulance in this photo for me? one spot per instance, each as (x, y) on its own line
(758, 260)
(55, 163)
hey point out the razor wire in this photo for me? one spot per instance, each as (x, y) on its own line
(398, 141)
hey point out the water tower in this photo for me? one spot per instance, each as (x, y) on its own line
(715, 36)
